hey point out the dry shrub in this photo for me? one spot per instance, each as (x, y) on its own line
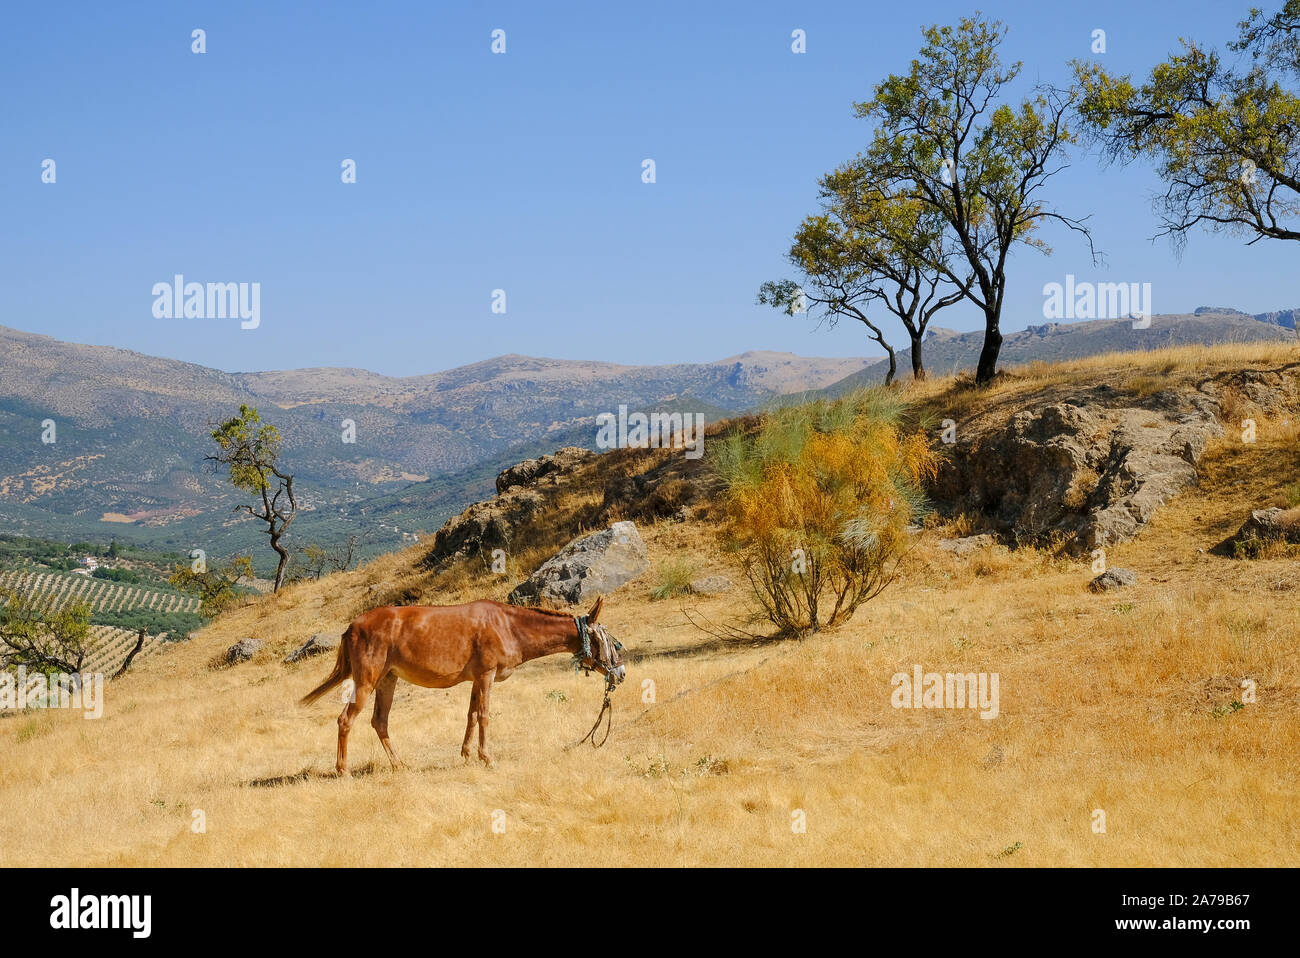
(819, 503)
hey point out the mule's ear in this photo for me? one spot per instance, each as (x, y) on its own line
(595, 609)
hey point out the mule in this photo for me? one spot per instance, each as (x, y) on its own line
(438, 646)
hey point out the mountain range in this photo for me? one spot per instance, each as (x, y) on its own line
(130, 430)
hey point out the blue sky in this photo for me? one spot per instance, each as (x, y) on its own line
(519, 172)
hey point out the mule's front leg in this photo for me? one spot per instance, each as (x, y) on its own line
(485, 696)
(470, 720)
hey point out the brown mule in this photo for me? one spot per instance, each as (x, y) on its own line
(438, 646)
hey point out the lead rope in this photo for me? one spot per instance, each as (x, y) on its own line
(606, 709)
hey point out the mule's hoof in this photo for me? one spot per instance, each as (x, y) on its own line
(340, 772)
(486, 759)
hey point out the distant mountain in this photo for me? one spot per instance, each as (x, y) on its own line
(945, 351)
(131, 432)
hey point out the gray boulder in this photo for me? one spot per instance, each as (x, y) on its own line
(587, 567)
(1115, 578)
(243, 650)
(319, 643)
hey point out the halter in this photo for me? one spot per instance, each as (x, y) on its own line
(584, 653)
(580, 659)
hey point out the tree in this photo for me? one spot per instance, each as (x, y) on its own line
(215, 586)
(945, 143)
(36, 633)
(1225, 138)
(319, 560)
(850, 257)
(250, 449)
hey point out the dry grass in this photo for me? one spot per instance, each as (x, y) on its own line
(1120, 702)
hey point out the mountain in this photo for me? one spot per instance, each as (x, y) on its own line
(945, 351)
(131, 431)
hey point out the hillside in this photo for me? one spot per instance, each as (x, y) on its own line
(1122, 702)
(131, 435)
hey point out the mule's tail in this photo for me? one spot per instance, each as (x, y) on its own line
(342, 671)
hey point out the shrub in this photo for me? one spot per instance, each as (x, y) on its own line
(819, 502)
(674, 580)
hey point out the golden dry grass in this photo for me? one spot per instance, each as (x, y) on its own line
(1119, 702)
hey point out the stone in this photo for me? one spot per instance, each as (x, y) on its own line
(243, 650)
(319, 643)
(1264, 526)
(1114, 578)
(589, 566)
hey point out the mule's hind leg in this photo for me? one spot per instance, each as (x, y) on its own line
(346, 718)
(383, 702)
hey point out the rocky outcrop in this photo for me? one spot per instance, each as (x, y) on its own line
(530, 470)
(587, 567)
(1090, 469)
(523, 491)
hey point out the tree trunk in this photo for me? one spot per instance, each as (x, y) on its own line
(139, 644)
(283, 553)
(988, 364)
(893, 366)
(918, 368)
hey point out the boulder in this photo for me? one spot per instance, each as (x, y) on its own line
(1114, 578)
(587, 567)
(319, 643)
(1264, 526)
(243, 650)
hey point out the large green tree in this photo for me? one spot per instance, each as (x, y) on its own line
(947, 141)
(1222, 132)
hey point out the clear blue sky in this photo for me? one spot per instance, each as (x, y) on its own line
(519, 171)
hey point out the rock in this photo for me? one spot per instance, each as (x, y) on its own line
(243, 650)
(1091, 469)
(530, 470)
(1114, 578)
(711, 584)
(965, 546)
(316, 645)
(1263, 527)
(589, 566)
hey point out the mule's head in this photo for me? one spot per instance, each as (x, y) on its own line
(606, 651)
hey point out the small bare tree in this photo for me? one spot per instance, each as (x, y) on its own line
(250, 449)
